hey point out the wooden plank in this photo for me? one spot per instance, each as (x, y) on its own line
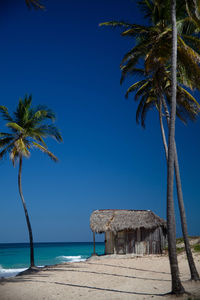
(121, 243)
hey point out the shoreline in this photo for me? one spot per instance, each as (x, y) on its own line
(14, 257)
(102, 277)
(35, 269)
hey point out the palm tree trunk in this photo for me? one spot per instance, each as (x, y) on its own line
(26, 214)
(193, 270)
(177, 287)
(162, 129)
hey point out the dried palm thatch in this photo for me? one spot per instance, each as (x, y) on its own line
(119, 219)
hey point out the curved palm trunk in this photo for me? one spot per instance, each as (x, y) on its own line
(26, 214)
(177, 287)
(193, 270)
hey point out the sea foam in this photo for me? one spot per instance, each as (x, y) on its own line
(64, 258)
(5, 273)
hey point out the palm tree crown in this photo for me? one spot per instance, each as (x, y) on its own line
(28, 129)
(152, 43)
(156, 85)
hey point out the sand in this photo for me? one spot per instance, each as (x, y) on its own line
(105, 277)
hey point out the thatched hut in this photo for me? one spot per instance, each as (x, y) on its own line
(129, 231)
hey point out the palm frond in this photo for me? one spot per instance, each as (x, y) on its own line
(146, 7)
(51, 131)
(140, 108)
(188, 50)
(14, 155)
(129, 68)
(189, 66)
(115, 24)
(149, 104)
(134, 30)
(192, 41)
(158, 55)
(5, 114)
(144, 89)
(45, 150)
(42, 112)
(140, 48)
(5, 134)
(5, 141)
(184, 77)
(187, 26)
(37, 4)
(40, 139)
(6, 150)
(193, 9)
(134, 87)
(189, 97)
(15, 127)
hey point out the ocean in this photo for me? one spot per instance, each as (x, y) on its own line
(14, 258)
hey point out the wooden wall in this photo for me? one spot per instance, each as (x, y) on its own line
(109, 242)
(140, 241)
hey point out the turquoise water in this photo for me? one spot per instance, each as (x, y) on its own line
(15, 257)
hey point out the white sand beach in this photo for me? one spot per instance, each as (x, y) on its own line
(106, 277)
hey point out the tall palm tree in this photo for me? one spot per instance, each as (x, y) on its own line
(188, 70)
(153, 45)
(154, 91)
(172, 153)
(177, 287)
(193, 270)
(28, 128)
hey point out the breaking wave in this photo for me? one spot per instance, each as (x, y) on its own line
(5, 273)
(70, 258)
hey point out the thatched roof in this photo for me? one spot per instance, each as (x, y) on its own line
(120, 219)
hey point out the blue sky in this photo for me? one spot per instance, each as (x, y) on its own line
(67, 62)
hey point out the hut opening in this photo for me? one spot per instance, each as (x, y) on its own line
(129, 231)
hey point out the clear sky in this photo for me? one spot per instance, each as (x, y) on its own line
(107, 161)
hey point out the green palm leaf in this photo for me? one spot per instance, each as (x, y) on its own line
(146, 108)
(45, 150)
(115, 24)
(134, 87)
(5, 141)
(144, 89)
(15, 127)
(188, 96)
(7, 149)
(5, 114)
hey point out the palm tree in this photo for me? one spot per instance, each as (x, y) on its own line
(177, 287)
(193, 270)
(28, 127)
(153, 91)
(153, 45)
(187, 76)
